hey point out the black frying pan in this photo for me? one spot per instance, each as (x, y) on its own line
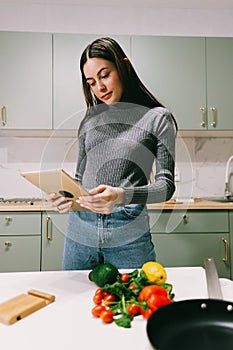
(198, 324)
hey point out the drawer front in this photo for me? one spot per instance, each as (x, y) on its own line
(189, 221)
(20, 253)
(20, 223)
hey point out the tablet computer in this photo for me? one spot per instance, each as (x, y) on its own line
(59, 182)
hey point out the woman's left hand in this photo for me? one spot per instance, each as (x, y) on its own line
(102, 199)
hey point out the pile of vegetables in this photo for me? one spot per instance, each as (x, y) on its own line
(123, 296)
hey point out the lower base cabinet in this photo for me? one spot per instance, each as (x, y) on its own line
(20, 241)
(187, 238)
(191, 250)
(34, 241)
(231, 241)
(53, 235)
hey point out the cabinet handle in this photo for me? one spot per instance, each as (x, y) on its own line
(7, 244)
(48, 237)
(3, 113)
(203, 117)
(8, 219)
(213, 123)
(184, 216)
(225, 258)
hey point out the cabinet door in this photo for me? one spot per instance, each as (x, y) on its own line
(20, 253)
(26, 80)
(173, 68)
(185, 238)
(191, 250)
(53, 234)
(220, 82)
(69, 102)
(231, 242)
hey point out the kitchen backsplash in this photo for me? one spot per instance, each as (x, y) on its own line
(200, 163)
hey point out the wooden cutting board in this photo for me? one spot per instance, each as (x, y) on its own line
(23, 305)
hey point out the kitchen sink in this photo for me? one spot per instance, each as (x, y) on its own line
(218, 199)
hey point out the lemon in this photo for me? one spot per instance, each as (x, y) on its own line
(155, 272)
(104, 274)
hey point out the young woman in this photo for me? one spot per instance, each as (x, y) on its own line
(124, 132)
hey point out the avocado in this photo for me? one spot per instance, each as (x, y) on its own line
(102, 274)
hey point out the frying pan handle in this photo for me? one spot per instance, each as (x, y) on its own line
(213, 284)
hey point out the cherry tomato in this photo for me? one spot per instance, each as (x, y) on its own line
(109, 298)
(124, 277)
(107, 316)
(132, 286)
(96, 311)
(133, 309)
(99, 291)
(146, 313)
(97, 299)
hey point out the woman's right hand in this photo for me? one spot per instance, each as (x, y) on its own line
(60, 203)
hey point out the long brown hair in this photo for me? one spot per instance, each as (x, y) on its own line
(134, 90)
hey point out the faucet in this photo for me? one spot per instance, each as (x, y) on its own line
(228, 192)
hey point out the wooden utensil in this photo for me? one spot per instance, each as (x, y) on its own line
(23, 305)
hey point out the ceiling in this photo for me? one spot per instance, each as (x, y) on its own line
(176, 4)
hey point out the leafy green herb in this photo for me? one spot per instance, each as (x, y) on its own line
(124, 320)
(118, 289)
(124, 296)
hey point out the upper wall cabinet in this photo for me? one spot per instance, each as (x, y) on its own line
(173, 68)
(40, 80)
(69, 102)
(191, 76)
(25, 80)
(219, 53)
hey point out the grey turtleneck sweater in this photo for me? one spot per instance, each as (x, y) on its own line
(119, 146)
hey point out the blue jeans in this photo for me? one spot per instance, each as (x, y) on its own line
(132, 255)
(122, 226)
(122, 238)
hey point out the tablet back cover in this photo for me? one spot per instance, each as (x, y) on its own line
(58, 182)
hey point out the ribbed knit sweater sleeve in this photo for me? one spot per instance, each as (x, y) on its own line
(119, 147)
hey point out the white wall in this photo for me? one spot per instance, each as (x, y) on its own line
(156, 17)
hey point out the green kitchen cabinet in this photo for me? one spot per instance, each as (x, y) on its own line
(41, 81)
(230, 256)
(219, 53)
(186, 238)
(191, 76)
(53, 234)
(173, 68)
(26, 80)
(20, 241)
(69, 101)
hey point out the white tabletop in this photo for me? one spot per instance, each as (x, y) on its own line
(68, 324)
